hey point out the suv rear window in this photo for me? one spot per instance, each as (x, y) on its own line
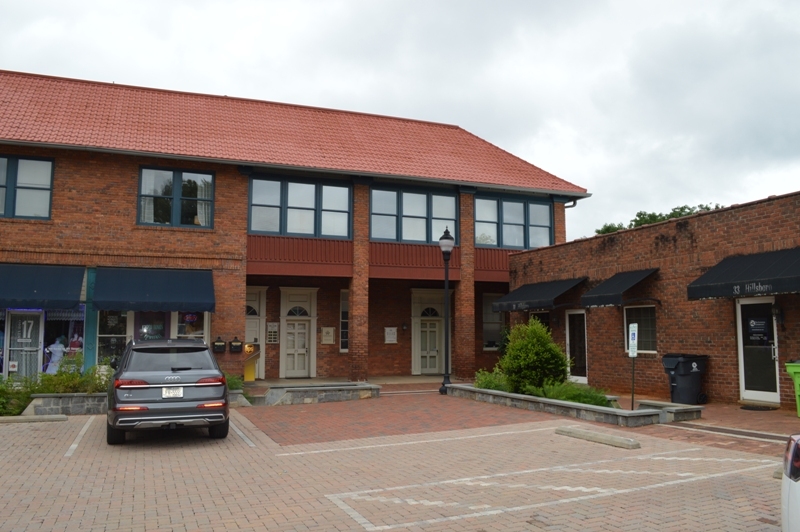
(170, 359)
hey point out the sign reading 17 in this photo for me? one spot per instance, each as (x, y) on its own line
(27, 329)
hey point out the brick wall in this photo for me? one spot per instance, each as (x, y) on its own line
(683, 249)
(93, 223)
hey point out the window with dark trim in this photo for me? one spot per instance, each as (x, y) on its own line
(646, 318)
(344, 321)
(26, 187)
(513, 222)
(412, 215)
(284, 207)
(493, 323)
(176, 198)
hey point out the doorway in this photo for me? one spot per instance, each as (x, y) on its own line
(758, 350)
(25, 341)
(576, 345)
(297, 356)
(429, 347)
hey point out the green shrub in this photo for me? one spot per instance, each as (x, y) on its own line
(569, 391)
(491, 380)
(235, 382)
(15, 395)
(70, 379)
(532, 358)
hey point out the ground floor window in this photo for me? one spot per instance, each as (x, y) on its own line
(543, 317)
(646, 318)
(492, 323)
(115, 328)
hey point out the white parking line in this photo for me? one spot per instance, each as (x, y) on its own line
(400, 444)
(79, 437)
(339, 499)
(242, 435)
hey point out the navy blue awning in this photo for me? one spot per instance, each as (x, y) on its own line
(38, 286)
(759, 274)
(609, 292)
(154, 290)
(535, 296)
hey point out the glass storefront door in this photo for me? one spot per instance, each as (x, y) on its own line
(25, 345)
(758, 350)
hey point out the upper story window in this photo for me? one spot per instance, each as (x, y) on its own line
(512, 223)
(411, 216)
(295, 208)
(26, 187)
(176, 198)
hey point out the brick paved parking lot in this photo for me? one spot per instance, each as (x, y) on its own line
(492, 468)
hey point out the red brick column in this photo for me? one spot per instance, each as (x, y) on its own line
(463, 364)
(358, 347)
(559, 223)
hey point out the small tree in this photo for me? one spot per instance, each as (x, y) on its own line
(532, 358)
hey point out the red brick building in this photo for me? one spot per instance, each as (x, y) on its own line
(309, 234)
(723, 283)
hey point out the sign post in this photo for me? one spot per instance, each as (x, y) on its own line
(633, 347)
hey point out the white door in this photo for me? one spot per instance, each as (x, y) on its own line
(758, 350)
(297, 365)
(25, 345)
(429, 347)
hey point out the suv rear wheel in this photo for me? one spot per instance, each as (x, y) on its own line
(219, 431)
(114, 436)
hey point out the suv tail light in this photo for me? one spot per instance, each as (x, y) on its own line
(218, 404)
(130, 383)
(211, 381)
(791, 460)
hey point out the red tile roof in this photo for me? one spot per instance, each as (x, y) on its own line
(65, 112)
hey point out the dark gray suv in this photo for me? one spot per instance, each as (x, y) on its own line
(166, 384)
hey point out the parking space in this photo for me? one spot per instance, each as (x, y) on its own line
(508, 475)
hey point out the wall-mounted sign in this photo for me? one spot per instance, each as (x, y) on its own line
(390, 335)
(13, 366)
(328, 335)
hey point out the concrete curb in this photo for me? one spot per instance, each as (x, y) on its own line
(32, 419)
(599, 437)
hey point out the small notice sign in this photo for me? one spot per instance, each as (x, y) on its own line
(390, 335)
(328, 335)
(633, 340)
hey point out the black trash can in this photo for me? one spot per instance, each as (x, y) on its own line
(685, 377)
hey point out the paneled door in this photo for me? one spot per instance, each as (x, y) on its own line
(297, 363)
(429, 347)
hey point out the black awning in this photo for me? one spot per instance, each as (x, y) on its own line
(610, 291)
(37, 286)
(535, 296)
(760, 274)
(154, 290)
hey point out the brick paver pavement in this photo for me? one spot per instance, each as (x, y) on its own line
(392, 467)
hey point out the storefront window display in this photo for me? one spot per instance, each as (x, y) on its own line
(63, 336)
(152, 325)
(191, 325)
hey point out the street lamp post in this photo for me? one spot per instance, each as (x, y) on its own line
(446, 243)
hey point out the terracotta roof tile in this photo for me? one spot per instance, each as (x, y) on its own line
(67, 112)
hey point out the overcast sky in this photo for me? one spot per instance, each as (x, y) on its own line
(649, 105)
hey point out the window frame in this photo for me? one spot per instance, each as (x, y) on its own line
(176, 197)
(489, 298)
(526, 223)
(283, 206)
(641, 329)
(11, 186)
(429, 217)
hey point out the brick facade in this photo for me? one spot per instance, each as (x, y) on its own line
(683, 250)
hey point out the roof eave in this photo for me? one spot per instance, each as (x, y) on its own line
(271, 166)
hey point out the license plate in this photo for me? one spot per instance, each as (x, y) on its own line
(174, 391)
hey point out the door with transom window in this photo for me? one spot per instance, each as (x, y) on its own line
(25, 345)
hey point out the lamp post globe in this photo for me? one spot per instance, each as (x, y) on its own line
(446, 243)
